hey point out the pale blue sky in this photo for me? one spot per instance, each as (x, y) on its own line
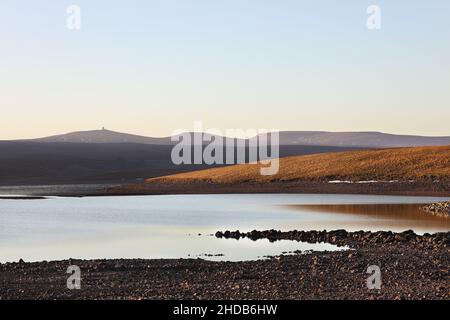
(151, 67)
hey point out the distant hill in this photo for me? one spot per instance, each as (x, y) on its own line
(304, 138)
(102, 136)
(107, 136)
(359, 139)
(403, 164)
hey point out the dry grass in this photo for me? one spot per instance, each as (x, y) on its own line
(419, 163)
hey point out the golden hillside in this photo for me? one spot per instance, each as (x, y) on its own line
(418, 163)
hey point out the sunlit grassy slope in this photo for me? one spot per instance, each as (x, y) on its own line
(418, 163)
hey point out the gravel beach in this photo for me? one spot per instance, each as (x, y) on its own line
(412, 267)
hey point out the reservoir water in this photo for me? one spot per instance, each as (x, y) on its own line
(182, 226)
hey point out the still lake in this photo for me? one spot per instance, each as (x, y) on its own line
(181, 226)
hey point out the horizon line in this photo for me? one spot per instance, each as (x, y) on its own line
(206, 132)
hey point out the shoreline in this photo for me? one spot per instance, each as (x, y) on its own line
(418, 188)
(412, 267)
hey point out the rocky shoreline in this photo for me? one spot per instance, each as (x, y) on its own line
(412, 267)
(441, 209)
(358, 239)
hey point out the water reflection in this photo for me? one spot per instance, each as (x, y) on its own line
(384, 215)
(161, 226)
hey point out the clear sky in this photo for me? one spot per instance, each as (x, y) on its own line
(151, 67)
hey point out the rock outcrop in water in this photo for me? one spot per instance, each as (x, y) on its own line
(358, 239)
(441, 209)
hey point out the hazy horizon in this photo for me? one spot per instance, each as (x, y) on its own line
(206, 129)
(152, 67)
(224, 133)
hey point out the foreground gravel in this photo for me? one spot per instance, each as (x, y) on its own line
(412, 267)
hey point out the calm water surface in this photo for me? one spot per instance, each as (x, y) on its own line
(180, 226)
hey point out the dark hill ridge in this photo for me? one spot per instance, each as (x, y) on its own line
(34, 163)
(107, 156)
(305, 138)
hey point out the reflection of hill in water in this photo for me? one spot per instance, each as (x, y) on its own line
(394, 212)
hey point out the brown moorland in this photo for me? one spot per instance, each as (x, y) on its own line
(402, 164)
